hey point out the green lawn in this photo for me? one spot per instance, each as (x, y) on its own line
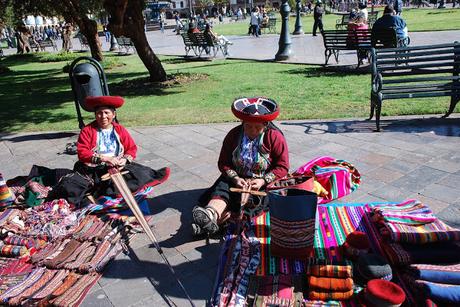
(36, 96)
(416, 19)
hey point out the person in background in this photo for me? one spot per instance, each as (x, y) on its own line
(318, 13)
(391, 20)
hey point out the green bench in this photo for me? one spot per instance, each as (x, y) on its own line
(415, 72)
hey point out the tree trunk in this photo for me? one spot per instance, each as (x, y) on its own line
(126, 19)
(88, 28)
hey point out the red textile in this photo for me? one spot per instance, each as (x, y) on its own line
(273, 143)
(384, 292)
(86, 144)
(93, 102)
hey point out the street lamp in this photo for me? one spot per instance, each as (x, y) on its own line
(298, 23)
(284, 43)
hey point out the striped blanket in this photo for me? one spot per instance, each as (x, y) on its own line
(410, 212)
(338, 177)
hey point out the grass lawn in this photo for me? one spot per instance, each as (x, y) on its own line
(36, 96)
(416, 19)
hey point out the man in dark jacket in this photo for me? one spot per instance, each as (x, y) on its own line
(318, 16)
(390, 20)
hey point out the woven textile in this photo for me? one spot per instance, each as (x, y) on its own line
(276, 290)
(435, 231)
(330, 284)
(6, 197)
(338, 177)
(441, 293)
(410, 212)
(326, 296)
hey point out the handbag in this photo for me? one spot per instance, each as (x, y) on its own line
(292, 222)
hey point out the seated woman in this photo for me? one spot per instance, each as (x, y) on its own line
(219, 38)
(102, 144)
(359, 23)
(253, 154)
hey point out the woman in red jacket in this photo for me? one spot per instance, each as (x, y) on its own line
(253, 154)
(102, 144)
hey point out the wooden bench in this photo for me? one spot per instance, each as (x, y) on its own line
(342, 23)
(83, 42)
(199, 42)
(270, 26)
(422, 71)
(41, 45)
(337, 40)
(126, 43)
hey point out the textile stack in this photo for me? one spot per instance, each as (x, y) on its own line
(425, 250)
(50, 252)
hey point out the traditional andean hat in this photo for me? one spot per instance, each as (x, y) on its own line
(255, 109)
(372, 266)
(355, 244)
(383, 293)
(94, 102)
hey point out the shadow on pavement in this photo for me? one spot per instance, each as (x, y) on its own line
(436, 125)
(195, 266)
(41, 136)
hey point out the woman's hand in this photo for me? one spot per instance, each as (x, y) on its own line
(256, 183)
(240, 182)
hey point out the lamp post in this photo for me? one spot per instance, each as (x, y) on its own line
(298, 22)
(113, 42)
(284, 43)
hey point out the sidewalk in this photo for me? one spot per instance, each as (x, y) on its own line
(306, 49)
(413, 157)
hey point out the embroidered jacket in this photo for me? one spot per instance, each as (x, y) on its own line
(273, 146)
(87, 143)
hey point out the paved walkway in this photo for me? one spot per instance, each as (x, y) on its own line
(306, 49)
(413, 157)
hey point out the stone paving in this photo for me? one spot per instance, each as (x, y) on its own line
(306, 49)
(413, 157)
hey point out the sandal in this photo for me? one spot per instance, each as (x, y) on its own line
(206, 219)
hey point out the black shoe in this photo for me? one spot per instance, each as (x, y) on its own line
(206, 219)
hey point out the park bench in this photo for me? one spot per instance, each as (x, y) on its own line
(3, 45)
(42, 45)
(342, 23)
(422, 71)
(126, 43)
(337, 40)
(270, 26)
(83, 42)
(199, 42)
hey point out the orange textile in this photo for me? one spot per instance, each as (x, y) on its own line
(337, 271)
(324, 296)
(330, 284)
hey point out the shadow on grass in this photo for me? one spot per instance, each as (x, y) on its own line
(436, 125)
(331, 71)
(43, 95)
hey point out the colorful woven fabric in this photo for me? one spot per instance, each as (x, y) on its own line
(75, 294)
(432, 253)
(6, 196)
(33, 277)
(410, 212)
(435, 231)
(328, 284)
(338, 177)
(275, 290)
(326, 296)
(7, 250)
(107, 204)
(19, 240)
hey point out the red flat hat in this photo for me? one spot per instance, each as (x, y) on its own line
(255, 109)
(384, 293)
(94, 102)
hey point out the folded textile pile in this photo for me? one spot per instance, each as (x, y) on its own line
(438, 283)
(426, 248)
(412, 234)
(329, 288)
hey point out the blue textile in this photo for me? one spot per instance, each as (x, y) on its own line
(441, 293)
(443, 277)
